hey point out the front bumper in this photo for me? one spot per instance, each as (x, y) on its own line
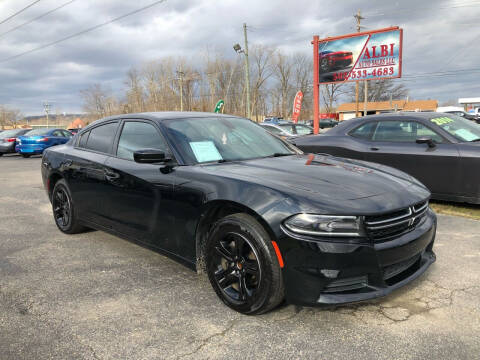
(326, 272)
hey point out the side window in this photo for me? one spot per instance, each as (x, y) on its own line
(67, 134)
(83, 139)
(101, 137)
(403, 131)
(422, 130)
(57, 133)
(137, 136)
(364, 131)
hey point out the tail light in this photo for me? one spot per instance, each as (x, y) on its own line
(43, 139)
(10, 139)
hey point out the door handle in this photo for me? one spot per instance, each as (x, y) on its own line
(374, 148)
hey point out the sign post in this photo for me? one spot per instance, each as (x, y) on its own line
(316, 85)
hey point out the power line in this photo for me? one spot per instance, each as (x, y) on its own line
(407, 10)
(82, 32)
(36, 18)
(19, 11)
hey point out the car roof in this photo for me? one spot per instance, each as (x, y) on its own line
(167, 115)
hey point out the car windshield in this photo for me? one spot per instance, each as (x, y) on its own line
(37, 132)
(9, 133)
(201, 140)
(459, 127)
(304, 129)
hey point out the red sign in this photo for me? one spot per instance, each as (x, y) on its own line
(297, 106)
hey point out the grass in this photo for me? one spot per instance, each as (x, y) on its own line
(466, 210)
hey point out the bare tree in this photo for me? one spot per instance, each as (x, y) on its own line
(379, 90)
(283, 67)
(261, 59)
(330, 95)
(135, 91)
(9, 117)
(99, 102)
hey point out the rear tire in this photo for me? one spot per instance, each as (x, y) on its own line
(63, 209)
(242, 265)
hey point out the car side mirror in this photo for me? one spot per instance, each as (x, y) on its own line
(150, 156)
(426, 140)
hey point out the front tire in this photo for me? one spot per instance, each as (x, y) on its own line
(242, 266)
(64, 210)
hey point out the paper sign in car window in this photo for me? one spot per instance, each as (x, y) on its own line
(205, 151)
(466, 135)
(441, 120)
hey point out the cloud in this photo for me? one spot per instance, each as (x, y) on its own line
(436, 37)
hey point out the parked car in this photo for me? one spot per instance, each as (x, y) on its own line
(37, 140)
(324, 123)
(74, 130)
(465, 115)
(441, 150)
(334, 60)
(288, 129)
(265, 221)
(8, 140)
(273, 120)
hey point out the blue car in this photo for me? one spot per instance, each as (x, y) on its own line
(37, 140)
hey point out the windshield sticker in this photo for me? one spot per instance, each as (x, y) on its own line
(205, 151)
(441, 120)
(467, 135)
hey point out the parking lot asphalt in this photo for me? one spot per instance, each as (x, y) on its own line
(96, 296)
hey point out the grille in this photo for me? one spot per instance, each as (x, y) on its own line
(386, 226)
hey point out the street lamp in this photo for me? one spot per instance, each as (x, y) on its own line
(238, 49)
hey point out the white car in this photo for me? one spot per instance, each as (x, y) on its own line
(288, 129)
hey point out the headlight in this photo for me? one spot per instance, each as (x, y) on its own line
(324, 225)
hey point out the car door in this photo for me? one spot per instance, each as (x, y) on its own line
(141, 195)
(84, 169)
(393, 143)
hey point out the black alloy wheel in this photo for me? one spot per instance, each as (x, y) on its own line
(242, 266)
(238, 272)
(64, 210)
(61, 208)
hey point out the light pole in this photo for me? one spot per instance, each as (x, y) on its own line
(239, 50)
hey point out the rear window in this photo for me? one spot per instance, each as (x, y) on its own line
(101, 138)
(37, 132)
(10, 133)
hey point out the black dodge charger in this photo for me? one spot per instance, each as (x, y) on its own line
(265, 221)
(441, 150)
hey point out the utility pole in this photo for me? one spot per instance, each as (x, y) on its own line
(247, 70)
(358, 17)
(46, 107)
(239, 50)
(180, 75)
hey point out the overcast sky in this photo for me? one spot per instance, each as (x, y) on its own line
(438, 36)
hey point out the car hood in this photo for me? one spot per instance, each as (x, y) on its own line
(317, 176)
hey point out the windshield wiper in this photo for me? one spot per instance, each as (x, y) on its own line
(280, 154)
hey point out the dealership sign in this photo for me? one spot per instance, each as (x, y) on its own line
(297, 106)
(362, 56)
